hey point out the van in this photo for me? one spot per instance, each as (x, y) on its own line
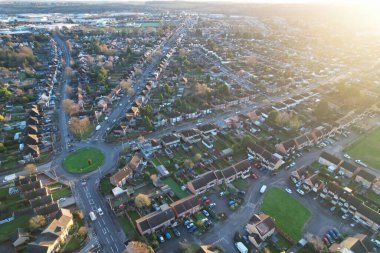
(263, 189)
(241, 247)
(92, 216)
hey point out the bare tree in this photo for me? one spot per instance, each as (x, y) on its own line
(79, 126)
(138, 247)
(37, 221)
(30, 167)
(82, 231)
(197, 157)
(188, 164)
(70, 106)
(142, 200)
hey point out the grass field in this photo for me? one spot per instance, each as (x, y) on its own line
(367, 149)
(7, 229)
(175, 187)
(290, 215)
(79, 161)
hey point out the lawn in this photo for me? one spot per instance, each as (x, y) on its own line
(7, 229)
(175, 187)
(240, 183)
(128, 227)
(290, 215)
(61, 193)
(367, 149)
(83, 160)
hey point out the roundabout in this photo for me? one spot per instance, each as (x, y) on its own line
(84, 160)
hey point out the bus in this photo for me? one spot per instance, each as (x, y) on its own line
(92, 216)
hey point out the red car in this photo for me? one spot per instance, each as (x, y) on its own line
(326, 241)
(207, 201)
(254, 175)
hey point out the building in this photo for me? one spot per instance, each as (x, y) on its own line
(260, 227)
(268, 160)
(348, 169)
(286, 147)
(208, 129)
(156, 220)
(190, 136)
(185, 206)
(353, 244)
(376, 186)
(365, 178)
(170, 141)
(19, 237)
(135, 165)
(330, 160)
(202, 183)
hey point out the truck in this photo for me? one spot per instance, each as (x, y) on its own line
(241, 247)
(92, 216)
(263, 189)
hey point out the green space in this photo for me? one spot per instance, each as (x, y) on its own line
(175, 187)
(240, 183)
(84, 160)
(7, 229)
(128, 227)
(367, 149)
(105, 186)
(290, 216)
(61, 193)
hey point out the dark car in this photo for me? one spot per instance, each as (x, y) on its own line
(336, 232)
(333, 234)
(331, 240)
(176, 232)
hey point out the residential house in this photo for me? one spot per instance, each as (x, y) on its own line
(303, 141)
(243, 169)
(208, 129)
(185, 206)
(353, 244)
(29, 195)
(229, 174)
(19, 237)
(154, 221)
(365, 178)
(32, 150)
(368, 216)
(135, 165)
(260, 227)
(286, 147)
(47, 210)
(191, 136)
(376, 186)
(170, 141)
(330, 160)
(348, 169)
(202, 183)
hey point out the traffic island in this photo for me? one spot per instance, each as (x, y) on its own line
(84, 160)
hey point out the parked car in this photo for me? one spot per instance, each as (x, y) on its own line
(231, 202)
(331, 240)
(332, 234)
(212, 205)
(332, 209)
(254, 175)
(345, 216)
(161, 239)
(326, 241)
(168, 236)
(221, 194)
(205, 213)
(176, 232)
(300, 191)
(288, 190)
(241, 192)
(336, 232)
(347, 156)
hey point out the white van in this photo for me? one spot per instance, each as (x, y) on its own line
(263, 189)
(92, 216)
(241, 247)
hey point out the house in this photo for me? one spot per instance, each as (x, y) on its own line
(30, 186)
(29, 195)
(300, 174)
(229, 174)
(353, 244)
(19, 237)
(170, 141)
(268, 160)
(41, 201)
(367, 216)
(286, 147)
(185, 206)
(202, 183)
(54, 234)
(376, 186)
(260, 227)
(135, 165)
(32, 150)
(348, 169)
(157, 220)
(133, 112)
(313, 183)
(190, 136)
(303, 141)
(365, 178)
(208, 129)
(330, 160)
(243, 169)
(48, 209)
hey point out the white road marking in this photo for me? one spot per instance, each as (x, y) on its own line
(107, 240)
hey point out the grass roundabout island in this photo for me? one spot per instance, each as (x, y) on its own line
(83, 160)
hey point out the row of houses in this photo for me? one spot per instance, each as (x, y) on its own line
(268, 160)
(210, 179)
(349, 170)
(134, 166)
(321, 132)
(167, 215)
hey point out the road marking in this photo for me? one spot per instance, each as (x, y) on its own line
(107, 240)
(112, 249)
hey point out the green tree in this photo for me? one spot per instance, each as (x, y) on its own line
(147, 111)
(147, 123)
(272, 117)
(322, 110)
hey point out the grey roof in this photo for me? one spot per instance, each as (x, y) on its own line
(331, 158)
(155, 219)
(348, 166)
(203, 180)
(185, 204)
(367, 176)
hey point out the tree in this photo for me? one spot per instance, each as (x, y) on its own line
(30, 167)
(79, 126)
(188, 164)
(2, 118)
(142, 200)
(127, 85)
(82, 231)
(69, 72)
(322, 110)
(147, 123)
(37, 221)
(147, 110)
(182, 52)
(70, 106)
(138, 247)
(197, 157)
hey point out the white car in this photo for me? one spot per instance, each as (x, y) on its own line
(300, 191)
(292, 164)
(347, 156)
(100, 211)
(288, 190)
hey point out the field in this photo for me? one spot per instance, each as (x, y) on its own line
(83, 160)
(367, 149)
(290, 215)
